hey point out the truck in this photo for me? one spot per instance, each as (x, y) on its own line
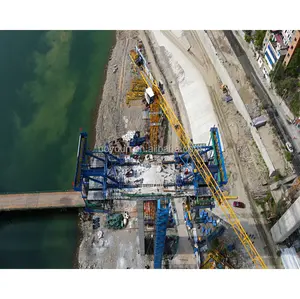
(260, 121)
(149, 95)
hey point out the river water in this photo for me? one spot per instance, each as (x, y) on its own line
(49, 87)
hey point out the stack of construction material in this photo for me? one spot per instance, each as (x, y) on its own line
(96, 222)
(115, 221)
(129, 135)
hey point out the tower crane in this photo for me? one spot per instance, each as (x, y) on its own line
(140, 64)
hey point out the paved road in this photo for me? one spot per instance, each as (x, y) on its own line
(270, 102)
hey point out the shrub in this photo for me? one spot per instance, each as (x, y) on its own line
(288, 156)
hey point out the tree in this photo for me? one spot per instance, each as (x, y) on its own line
(293, 68)
(248, 38)
(248, 32)
(287, 86)
(278, 73)
(259, 38)
(295, 104)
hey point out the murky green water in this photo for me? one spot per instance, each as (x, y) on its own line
(49, 83)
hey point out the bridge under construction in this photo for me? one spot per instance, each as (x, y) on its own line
(139, 172)
(44, 200)
(196, 173)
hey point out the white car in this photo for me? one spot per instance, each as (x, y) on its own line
(289, 147)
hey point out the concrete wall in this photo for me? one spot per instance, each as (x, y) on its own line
(224, 76)
(287, 224)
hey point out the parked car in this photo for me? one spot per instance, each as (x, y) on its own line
(289, 147)
(238, 204)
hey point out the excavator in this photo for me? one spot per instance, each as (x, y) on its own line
(140, 64)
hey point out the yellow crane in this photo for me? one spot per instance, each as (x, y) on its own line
(137, 91)
(200, 165)
(213, 258)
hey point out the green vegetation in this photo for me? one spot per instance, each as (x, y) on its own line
(286, 81)
(288, 156)
(248, 35)
(258, 37)
(278, 177)
(248, 38)
(295, 104)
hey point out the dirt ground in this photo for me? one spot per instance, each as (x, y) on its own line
(115, 118)
(251, 100)
(110, 249)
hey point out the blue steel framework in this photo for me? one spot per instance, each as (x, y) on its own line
(212, 155)
(162, 219)
(103, 172)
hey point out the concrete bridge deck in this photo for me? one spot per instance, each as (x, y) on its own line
(49, 200)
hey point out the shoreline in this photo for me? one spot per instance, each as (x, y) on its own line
(93, 133)
(95, 112)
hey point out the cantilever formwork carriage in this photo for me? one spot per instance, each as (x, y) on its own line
(102, 177)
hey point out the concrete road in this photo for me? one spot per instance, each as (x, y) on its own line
(185, 256)
(271, 101)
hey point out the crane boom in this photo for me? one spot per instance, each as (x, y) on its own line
(198, 161)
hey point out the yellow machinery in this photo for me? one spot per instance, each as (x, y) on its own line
(200, 165)
(154, 123)
(213, 259)
(137, 91)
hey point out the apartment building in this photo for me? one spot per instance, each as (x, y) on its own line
(273, 48)
(287, 36)
(294, 43)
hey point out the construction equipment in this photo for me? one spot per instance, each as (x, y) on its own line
(200, 165)
(215, 260)
(136, 92)
(150, 97)
(161, 87)
(162, 218)
(115, 221)
(154, 123)
(137, 140)
(227, 97)
(224, 89)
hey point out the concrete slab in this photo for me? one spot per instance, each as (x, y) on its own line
(193, 89)
(10, 202)
(287, 224)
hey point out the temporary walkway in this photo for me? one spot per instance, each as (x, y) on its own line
(30, 201)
